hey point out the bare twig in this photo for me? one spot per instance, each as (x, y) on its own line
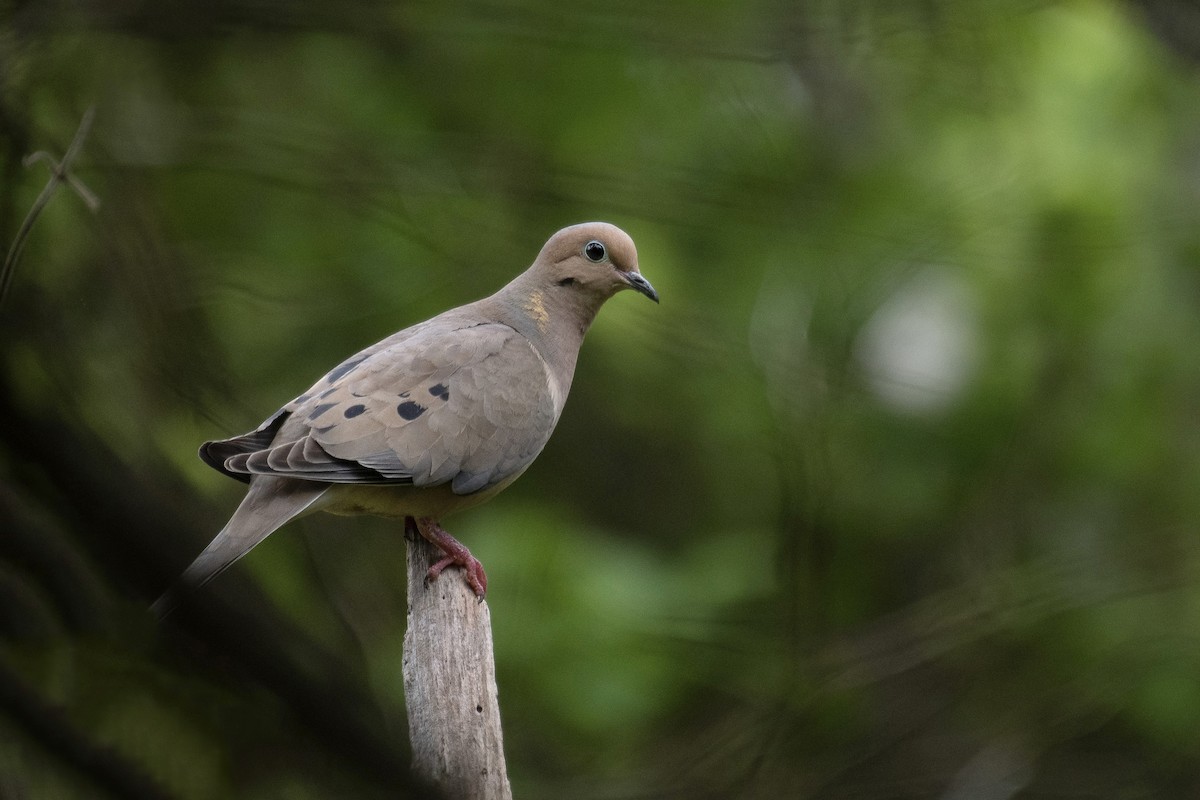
(60, 172)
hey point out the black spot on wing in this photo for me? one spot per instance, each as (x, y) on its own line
(409, 410)
(343, 368)
(321, 409)
(441, 391)
(354, 410)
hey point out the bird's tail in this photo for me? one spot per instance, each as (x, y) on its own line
(267, 506)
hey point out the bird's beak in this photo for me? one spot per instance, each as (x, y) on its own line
(640, 284)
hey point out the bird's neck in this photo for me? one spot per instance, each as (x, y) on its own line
(554, 322)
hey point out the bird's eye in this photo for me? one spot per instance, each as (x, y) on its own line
(594, 251)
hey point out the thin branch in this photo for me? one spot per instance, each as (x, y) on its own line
(60, 172)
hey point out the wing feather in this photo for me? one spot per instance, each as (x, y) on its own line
(467, 405)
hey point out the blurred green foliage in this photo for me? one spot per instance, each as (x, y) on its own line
(894, 496)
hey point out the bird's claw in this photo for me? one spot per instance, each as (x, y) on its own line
(455, 554)
(475, 576)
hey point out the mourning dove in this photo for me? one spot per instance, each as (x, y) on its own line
(434, 419)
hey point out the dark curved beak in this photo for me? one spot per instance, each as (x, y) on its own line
(641, 285)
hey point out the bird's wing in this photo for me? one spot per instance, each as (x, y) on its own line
(469, 405)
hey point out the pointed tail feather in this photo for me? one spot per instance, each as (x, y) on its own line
(268, 505)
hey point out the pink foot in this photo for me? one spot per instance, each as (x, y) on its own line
(456, 554)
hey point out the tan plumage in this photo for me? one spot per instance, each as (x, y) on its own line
(436, 418)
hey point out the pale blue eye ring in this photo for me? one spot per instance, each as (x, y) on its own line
(594, 251)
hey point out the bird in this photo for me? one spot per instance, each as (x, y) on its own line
(436, 418)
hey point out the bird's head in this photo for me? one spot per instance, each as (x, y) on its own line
(594, 259)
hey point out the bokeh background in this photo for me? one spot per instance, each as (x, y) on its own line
(894, 496)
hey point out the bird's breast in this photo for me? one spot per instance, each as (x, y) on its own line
(405, 500)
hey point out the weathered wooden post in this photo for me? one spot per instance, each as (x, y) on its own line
(450, 684)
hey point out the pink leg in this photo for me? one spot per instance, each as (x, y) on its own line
(456, 553)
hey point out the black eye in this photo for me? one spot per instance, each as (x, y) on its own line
(594, 251)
